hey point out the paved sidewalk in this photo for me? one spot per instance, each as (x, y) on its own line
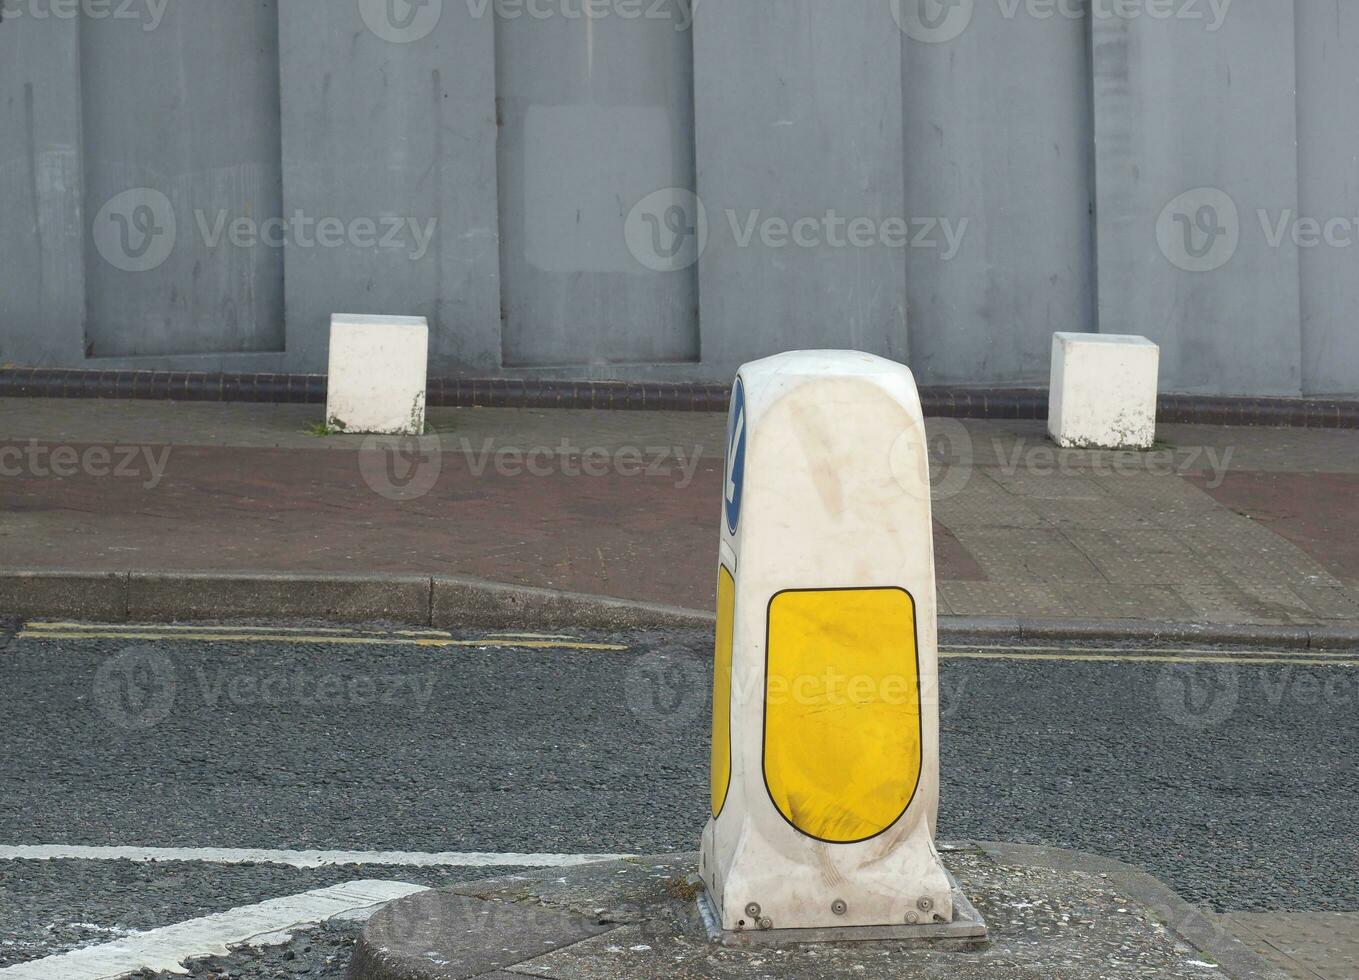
(1220, 525)
(1048, 913)
(1304, 945)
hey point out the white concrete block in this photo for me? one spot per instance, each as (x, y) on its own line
(1103, 392)
(378, 368)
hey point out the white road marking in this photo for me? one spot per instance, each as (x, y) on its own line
(268, 923)
(301, 859)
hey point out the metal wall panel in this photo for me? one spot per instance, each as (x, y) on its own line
(389, 133)
(799, 116)
(1194, 132)
(42, 223)
(566, 241)
(596, 115)
(181, 140)
(998, 146)
(1328, 193)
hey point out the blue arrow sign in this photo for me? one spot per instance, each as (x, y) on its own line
(735, 475)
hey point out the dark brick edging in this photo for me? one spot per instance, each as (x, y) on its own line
(939, 402)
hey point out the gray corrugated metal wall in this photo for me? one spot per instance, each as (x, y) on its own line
(194, 117)
(663, 189)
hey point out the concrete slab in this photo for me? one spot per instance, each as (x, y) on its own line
(176, 596)
(480, 936)
(464, 604)
(1051, 913)
(97, 596)
(1311, 946)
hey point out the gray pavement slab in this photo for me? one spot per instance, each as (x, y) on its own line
(1315, 946)
(441, 935)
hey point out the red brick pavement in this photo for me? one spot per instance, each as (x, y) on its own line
(235, 509)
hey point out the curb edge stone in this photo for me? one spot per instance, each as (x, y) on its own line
(456, 601)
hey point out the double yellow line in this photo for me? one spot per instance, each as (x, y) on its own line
(1158, 655)
(561, 641)
(307, 635)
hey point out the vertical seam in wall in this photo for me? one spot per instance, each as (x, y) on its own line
(498, 129)
(30, 134)
(282, 188)
(693, 153)
(1092, 167)
(437, 326)
(903, 47)
(1297, 196)
(78, 92)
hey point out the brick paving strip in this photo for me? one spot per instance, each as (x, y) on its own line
(113, 507)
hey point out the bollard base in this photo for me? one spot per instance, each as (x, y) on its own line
(1048, 913)
(966, 931)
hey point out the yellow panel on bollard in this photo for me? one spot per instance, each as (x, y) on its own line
(825, 762)
(842, 711)
(721, 766)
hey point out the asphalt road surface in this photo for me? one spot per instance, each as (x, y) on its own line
(1233, 779)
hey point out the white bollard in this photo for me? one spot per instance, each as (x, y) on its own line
(825, 749)
(377, 375)
(1103, 393)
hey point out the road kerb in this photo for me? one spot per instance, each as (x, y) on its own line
(464, 602)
